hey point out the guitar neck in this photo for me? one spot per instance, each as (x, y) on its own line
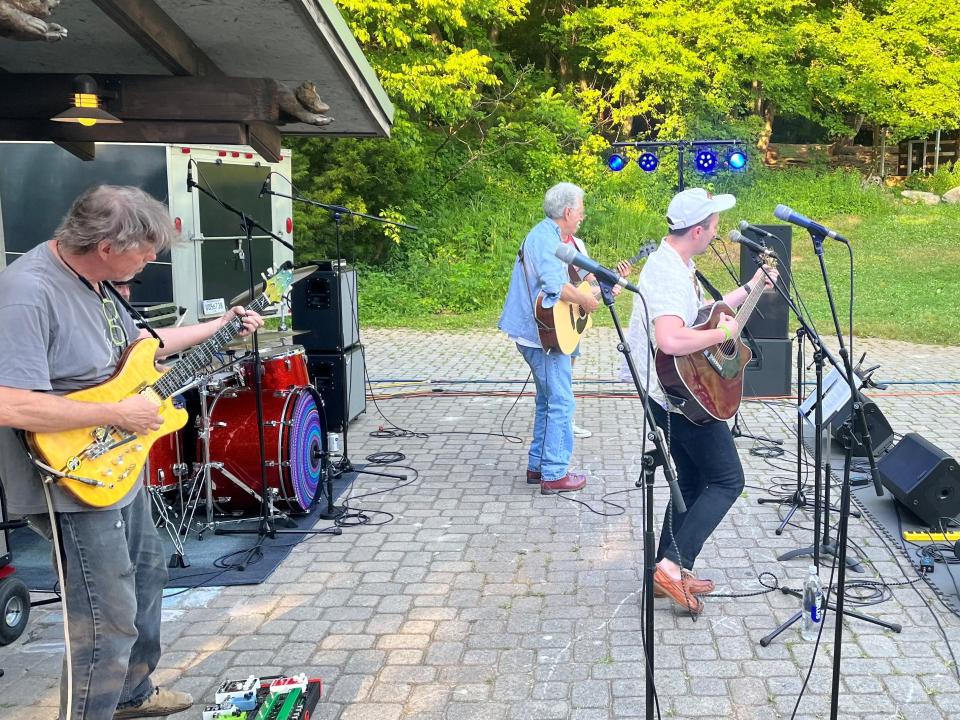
(190, 365)
(748, 306)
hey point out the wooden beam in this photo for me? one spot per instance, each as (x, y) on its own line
(265, 139)
(152, 28)
(147, 97)
(220, 133)
(82, 149)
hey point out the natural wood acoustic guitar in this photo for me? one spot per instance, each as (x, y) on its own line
(562, 325)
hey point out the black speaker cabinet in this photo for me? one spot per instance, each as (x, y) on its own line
(325, 309)
(771, 316)
(923, 478)
(340, 380)
(768, 373)
(881, 434)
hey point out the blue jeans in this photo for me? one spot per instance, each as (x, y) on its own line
(115, 572)
(552, 443)
(710, 477)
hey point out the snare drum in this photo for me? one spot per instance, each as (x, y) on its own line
(294, 442)
(283, 368)
(166, 464)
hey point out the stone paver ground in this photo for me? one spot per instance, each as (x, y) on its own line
(483, 600)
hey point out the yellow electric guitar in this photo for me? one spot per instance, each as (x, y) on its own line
(100, 464)
(562, 325)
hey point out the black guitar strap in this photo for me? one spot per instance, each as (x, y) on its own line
(133, 312)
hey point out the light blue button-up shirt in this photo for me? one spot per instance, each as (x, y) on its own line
(544, 272)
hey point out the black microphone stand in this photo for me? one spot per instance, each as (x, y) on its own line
(858, 432)
(265, 527)
(652, 459)
(821, 353)
(344, 466)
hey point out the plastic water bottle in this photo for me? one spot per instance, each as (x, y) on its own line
(812, 605)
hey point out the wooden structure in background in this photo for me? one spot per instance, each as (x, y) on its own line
(180, 71)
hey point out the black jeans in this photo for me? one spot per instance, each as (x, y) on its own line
(710, 477)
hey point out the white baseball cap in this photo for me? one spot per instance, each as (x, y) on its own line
(695, 205)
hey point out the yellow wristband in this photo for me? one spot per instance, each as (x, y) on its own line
(726, 331)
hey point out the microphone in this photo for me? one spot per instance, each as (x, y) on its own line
(744, 226)
(737, 237)
(610, 277)
(787, 215)
(265, 188)
(189, 176)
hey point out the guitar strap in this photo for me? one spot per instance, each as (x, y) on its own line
(133, 311)
(709, 286)
(526, 281)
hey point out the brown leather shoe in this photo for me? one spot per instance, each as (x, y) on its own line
(675, 591)
(692, 583)
(533, 477)
(568, 483)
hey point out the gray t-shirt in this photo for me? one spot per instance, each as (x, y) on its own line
(669, 286)
(54, 337)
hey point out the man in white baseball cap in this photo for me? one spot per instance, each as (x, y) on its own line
(708, 468)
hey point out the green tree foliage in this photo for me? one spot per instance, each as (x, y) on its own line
(498, 99)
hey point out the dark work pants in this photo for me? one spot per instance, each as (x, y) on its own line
(710, 477)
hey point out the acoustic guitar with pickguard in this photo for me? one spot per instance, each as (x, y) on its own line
(709, 382)
(98, 465)
(562, 325)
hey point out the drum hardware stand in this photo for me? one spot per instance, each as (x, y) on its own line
(265, 526)
(343, 466)
(857, 424)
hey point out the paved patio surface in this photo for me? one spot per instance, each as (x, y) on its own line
(482, 599)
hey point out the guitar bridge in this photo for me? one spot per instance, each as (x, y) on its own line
(713, 361)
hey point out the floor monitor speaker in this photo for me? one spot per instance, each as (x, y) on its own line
(923, 478)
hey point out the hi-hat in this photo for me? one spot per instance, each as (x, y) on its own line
(298, 274)
(266, 338)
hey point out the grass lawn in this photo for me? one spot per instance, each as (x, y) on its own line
(907, 259)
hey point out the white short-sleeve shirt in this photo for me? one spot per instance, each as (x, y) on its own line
(669, 287)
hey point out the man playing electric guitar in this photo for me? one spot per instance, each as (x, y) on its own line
(62, 330)
(709, 471)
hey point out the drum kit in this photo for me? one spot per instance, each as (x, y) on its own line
(214, 462)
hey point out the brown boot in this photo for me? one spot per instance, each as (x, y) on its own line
(533, 477)
(568, 483)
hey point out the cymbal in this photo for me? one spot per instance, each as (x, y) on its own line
(298, 274)
(266, 338)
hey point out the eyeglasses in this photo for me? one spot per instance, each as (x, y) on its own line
(118, 334)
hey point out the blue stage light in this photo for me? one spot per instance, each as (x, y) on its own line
(705, 161)
(648, 162)
(616, 162)
(737, 159)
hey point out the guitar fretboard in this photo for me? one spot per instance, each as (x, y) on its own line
(748, 306)
(191, 364)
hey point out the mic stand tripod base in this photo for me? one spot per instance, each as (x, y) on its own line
(825, 549)
(767, 639)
